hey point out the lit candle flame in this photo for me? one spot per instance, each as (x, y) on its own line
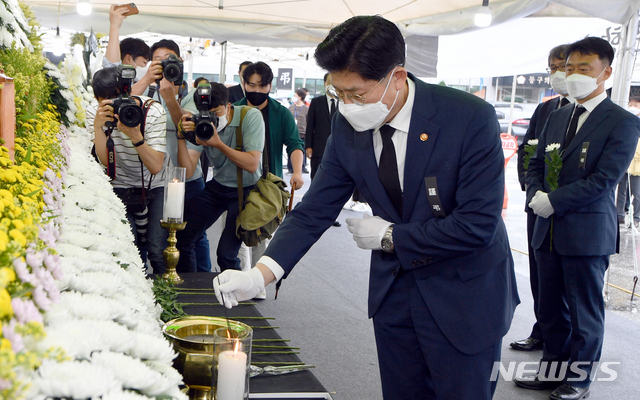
(236, 348)
(175, 180)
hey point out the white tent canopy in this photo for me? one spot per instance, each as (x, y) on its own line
(296, 23)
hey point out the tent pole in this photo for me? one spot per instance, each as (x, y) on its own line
(513, 102)
(223, 62)
(624, 67)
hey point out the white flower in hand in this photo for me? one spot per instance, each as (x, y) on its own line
(532, 142)
(551, 147)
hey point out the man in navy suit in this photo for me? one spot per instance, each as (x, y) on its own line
(557, 58)
(576, 227)
(429, 161)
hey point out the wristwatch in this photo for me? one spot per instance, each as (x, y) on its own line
(387, 240)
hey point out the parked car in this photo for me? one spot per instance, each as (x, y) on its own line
(521, 117)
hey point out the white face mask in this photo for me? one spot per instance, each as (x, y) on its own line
(580, 86)
(222, 123)
(295, 99)
(369, 115)
(141, 71)
(558, 83)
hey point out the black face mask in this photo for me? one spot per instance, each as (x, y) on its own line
(257, 98)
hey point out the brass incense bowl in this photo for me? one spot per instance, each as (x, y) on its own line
(192, 339)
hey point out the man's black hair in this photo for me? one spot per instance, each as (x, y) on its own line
(635, 98)
(134, 47)
(325, 77)
(105, 83)
(592, 45)
(367, 45)
(198, 80)
(244, 63)
(559, 52)
(260, 68)
(164, 44)
(301, 93)
(220, 93)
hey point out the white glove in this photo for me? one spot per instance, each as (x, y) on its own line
(368, 231)
(232, 286)
(541, 205)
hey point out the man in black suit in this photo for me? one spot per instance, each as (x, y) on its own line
(556, 60)
(321, 110)
(576, 228)
(236, 93)
(318, 131)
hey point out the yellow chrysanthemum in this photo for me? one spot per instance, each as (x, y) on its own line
(4, 240)
(6, 276)
(18, 237)
(5, 303)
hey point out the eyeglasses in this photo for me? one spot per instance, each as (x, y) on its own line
(354, 98)
(553, 70)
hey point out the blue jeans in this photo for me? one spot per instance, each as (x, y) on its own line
(203, 258)
(200, 214)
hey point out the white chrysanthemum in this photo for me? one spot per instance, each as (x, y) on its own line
(532, 142)
(74, 379)
(154, 348)
(551, 147)
(124, 395)
(134, 374)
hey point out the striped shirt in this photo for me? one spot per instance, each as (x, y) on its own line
(128, 173)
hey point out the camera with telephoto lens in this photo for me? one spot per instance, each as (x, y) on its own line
(203, 120)
(127, 109)
(172, 70)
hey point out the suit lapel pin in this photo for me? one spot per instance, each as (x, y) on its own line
(424, 137)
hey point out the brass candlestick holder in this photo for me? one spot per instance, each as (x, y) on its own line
(171, 254)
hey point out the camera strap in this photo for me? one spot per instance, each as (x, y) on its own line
(111, 155)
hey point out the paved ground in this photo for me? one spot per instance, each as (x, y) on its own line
(322, 308)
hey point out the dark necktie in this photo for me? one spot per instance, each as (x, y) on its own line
(388, 168)
(333, 107)
(564, 102)
(573, 125)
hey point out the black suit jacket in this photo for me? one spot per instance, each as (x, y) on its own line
(318, 126)
(235, 94)
(538, 120)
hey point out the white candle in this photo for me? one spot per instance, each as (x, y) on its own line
(232, 371)
(175, 200)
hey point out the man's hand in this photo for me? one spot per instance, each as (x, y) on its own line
(167, 90)
(154, 73)
(368, 231)
(233, 286)
(214, 140)
(187, 126)
(133, 133)
(309, 152)
(540, 205)
(116, 16)
(296, 181)
(104, 113)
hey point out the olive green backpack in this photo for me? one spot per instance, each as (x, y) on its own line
(266, 204)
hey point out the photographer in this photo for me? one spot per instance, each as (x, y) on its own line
(131, 51)
(220, 193)
(166, 70)
(139, 155)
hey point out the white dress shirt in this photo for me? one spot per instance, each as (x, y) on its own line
(590, 105)
(401, 124)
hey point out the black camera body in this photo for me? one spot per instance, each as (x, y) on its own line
(172, 70)
(128, 110)
(204, 118)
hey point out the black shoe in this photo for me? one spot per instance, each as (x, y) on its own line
(336, 224)
(568, 392)
(533, 383)
(305, 171)
(528, 344)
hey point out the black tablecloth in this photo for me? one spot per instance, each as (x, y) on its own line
(297, 382)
